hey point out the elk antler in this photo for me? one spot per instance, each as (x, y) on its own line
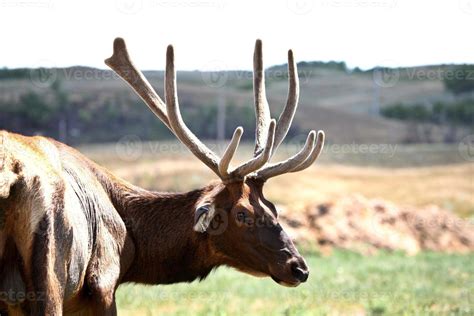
(268, 133)
(123, 66)
(262, 112)
(310, 151)
(170, 115)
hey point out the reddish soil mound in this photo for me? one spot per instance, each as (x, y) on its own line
(365, 225)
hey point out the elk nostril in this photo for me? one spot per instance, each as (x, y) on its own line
(299, 273)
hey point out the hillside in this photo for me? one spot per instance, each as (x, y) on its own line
(344, 104)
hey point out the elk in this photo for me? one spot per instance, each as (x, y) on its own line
(71, 232)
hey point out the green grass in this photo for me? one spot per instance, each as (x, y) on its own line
(344, 283)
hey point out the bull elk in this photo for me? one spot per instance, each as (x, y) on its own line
(71, 232)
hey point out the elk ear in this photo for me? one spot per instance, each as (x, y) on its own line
(203, 217)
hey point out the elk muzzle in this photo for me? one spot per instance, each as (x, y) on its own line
(299, 269)
(292, 271)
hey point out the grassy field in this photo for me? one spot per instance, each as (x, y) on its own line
(342, 284)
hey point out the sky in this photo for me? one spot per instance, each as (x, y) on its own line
(220, 34)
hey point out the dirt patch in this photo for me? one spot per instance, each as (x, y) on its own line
(365, 225)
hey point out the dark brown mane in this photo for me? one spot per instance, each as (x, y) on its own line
(167, 250)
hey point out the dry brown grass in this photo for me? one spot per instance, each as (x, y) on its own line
(450, 187)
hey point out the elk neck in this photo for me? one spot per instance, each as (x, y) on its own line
(167, 249)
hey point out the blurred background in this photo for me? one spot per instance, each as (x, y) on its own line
(385, 218)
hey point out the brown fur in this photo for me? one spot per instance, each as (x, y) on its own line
(73, 232)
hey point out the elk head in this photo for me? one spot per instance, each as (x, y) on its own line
(241, 226)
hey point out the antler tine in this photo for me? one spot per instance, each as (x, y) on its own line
(261, 159)
(229, 152)
(286, 117)
(310, 151)
(268, 134)
(292, 162)
(121, 63)
(265, 127)
(314, 154)
(262, 112)
(201, 151)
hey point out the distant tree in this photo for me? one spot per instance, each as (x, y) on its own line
(34, 108)
(462, 113)
(397, 111)
(19, 73)
(460, 79)
(454, 115)
(439, 113)
(417, 112)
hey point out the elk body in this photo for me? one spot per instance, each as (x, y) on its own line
(71, 232)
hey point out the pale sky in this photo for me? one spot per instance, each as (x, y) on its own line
(220, 34)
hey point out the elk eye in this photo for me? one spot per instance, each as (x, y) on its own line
(241, 217)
